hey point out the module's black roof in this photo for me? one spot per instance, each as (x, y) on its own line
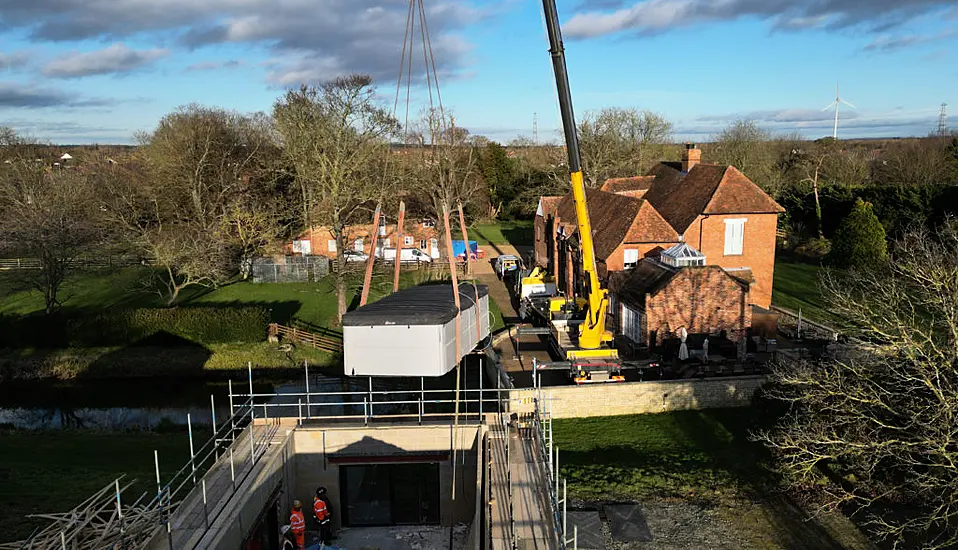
(418, 305)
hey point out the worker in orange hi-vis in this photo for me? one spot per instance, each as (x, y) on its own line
(322, 513)
(297, 524)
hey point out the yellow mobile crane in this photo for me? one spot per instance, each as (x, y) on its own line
(584, 345)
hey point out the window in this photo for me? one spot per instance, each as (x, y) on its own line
(630, 257)
(331, 245)
(434, 244)
(538, 232)
(428, 223)
(422, 244)
(358, 245)
(386, 242)
(382, 227)
(734, 236)
(632, 321)
(407, 240)
(303, 247)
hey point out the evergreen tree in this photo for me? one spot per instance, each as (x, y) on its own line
(860, 240)
(499, 173)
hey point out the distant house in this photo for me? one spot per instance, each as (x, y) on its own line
(715, 209)
(419, 234)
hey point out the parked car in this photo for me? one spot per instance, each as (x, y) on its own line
(408, 255)
(507, 263)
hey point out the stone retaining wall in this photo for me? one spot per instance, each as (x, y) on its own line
(644, 397)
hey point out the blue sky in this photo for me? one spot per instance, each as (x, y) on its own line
(98, 71)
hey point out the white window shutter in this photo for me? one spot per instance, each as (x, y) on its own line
(734, 236)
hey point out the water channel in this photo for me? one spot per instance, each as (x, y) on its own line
(149, 403)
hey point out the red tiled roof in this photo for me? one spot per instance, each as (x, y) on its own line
(736, 194)
(649, 276)
(548, 205)
(707, 189)
(611, 216)
(650, 227)
(616, 219)
(634, 186)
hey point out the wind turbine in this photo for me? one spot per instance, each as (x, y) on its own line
(838, 100)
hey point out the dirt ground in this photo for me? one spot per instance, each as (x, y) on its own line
(741, 524)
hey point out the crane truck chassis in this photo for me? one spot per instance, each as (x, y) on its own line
(576, 326)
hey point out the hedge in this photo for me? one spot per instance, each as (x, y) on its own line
(157, 326)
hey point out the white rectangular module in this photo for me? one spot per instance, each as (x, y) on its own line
(413, 332)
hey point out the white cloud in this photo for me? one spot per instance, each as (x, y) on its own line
(115, 59)
(654, 16)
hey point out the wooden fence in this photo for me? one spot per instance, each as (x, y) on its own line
(97, 262)
(330, 343)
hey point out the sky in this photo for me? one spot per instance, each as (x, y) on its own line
(100, 71)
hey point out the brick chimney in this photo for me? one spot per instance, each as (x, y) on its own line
(690, 156)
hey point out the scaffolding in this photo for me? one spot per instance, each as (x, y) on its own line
(186, 504)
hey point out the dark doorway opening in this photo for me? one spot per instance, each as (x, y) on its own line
(390, 494)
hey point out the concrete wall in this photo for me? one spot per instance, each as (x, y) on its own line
(644, 397)
(313, 447)
(235, 521)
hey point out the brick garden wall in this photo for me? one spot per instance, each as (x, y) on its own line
(645, 397)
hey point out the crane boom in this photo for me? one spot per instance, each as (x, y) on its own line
(592, 333)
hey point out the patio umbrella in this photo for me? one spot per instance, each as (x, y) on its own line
(705, 350)
(683, 347)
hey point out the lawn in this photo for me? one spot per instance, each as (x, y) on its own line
(52, 471)
(698, 479)
(310, 306)
(796, 287)
(516, 233)
(663, 455)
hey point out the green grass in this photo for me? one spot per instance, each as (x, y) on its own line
(311, 306)
(704, 454)
(53, 471)
(796, 286)
(518, 232)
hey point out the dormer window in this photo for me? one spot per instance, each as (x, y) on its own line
(428, 223)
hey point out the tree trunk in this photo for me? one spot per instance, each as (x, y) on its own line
(818, 210)
(340, 294)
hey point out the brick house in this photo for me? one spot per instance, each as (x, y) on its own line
(679, 289)
(420, 234)
(715, 209)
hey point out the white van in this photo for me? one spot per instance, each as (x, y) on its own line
(407, 255)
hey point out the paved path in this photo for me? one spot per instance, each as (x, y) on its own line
(529, 346)
(193, 516)
(524, 513)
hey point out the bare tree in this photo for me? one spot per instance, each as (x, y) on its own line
(446, 170)
(335, 136)
(47, 214)
(618, 142)
(874, 427)
(914, 162)
(178, 207)
(754, 151)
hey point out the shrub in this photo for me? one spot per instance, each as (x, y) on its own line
(814, 248)
(200, 325)
(860, 239)
(121, 327)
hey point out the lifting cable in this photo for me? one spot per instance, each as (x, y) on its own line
(417, 14)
